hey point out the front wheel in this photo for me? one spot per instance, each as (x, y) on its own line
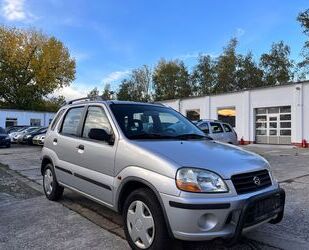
(52, 189)
(144, 223)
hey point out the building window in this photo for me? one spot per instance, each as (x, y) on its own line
(193, 115)
(35, 122)
(227, 115)
(9, 122)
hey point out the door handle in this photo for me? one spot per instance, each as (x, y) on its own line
(55, 141)
(81, 147)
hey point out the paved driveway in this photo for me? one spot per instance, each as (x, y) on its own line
(289, 165)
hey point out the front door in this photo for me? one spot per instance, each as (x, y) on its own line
(96, 166)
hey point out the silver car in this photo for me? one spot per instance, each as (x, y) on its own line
(158, 170)
(218, 130)
(16, 137)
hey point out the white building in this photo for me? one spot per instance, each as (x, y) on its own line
(13, 117)
(271, 115)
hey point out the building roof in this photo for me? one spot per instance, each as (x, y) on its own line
(23, 110)
(287, 84)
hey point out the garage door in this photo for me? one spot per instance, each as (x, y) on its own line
(273, 125)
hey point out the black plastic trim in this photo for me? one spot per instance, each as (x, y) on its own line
(241, 222)
(200, 206)
(63, 169)
(93, 181)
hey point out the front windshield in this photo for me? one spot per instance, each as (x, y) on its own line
(31, 129)
(21, 129)
(138, 121)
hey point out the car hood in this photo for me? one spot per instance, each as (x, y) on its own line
(224, 159)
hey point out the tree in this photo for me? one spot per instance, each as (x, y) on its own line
(137, 87)
(226, 68)
(125, 92)
(276, 64)
(107, 92)
(93, 93)
(141, 79)
(248, 74)
(303, 18)
(171, 80)
(32, 65)
(203, 76)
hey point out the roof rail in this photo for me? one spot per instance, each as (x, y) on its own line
(91, 98)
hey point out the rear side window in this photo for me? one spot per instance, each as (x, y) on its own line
(227, 128)
(71, 121)
(96, 118)
(204, 127)
(216, 127)
(56, 119)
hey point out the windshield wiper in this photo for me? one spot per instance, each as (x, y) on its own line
(150, 136)
(193, 136)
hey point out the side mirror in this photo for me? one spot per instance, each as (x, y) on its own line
(100, 135)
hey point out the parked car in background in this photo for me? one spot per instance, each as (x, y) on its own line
(28, 137)
(12, 129)
(39, 139)
(158, 170)
(219, 131)
(15, 136)
(4, 138)
(15, 132)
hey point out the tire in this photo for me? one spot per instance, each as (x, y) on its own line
(153, 215)
(52, 189)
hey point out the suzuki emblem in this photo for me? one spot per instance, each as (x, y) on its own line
(256, 180)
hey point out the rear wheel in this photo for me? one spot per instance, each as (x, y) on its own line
(144, 223)
(52, 189)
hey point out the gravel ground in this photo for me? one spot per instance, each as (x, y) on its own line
(289, 165)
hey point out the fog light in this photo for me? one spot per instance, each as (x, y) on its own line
(207, 221)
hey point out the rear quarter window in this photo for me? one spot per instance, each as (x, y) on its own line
(56, 119)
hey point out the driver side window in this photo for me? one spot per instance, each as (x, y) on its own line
(96, 118)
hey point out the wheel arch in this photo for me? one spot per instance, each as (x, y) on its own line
(45, 161)
(130, 184)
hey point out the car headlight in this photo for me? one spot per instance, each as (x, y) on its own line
(28, 136)
(199, 181)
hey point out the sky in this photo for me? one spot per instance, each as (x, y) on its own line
(110, 38)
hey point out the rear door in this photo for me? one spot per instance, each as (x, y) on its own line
(65, 145)
(217, 132)
(229, 136)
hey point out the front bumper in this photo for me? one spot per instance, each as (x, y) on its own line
(223, 217)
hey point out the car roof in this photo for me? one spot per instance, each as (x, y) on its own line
(109, 102)
(209, 120)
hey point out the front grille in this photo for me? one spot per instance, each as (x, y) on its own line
(251, 182)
